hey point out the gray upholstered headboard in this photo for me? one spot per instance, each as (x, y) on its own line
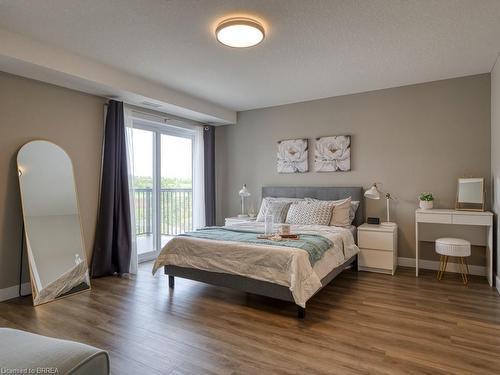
(324, 193)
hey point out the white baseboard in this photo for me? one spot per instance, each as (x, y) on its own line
(497, 283)
(13, 291)
(434, 265)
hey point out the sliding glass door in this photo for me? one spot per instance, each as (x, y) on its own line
(163, 185)
(176, 197)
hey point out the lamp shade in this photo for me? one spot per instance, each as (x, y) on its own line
(373, 192)
(244, 191)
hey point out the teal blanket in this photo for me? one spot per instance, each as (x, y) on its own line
(315, 245)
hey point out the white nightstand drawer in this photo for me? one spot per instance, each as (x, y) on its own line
(433, 218)
(376, 240)
(376, 259)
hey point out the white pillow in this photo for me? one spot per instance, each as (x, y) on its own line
(309, 213)
(278, 210)
(268, 202)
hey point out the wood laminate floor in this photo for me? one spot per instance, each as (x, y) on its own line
(362, 323)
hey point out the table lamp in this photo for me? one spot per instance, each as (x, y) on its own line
(374, 193)
(244, 193)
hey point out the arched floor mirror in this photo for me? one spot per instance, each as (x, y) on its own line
(53, 231)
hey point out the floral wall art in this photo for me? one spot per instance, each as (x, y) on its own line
(292, 156)
(332, 154)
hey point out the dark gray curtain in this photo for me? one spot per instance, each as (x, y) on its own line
(209, 171)
(113, 242)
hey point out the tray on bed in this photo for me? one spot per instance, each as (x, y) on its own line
(277, 238)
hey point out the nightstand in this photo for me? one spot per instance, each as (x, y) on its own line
(238, 220)
(378, 245)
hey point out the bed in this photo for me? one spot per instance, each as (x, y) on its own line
(261, 271)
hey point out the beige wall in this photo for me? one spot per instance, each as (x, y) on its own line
(412, 139)
(495, 152)
(34, 110)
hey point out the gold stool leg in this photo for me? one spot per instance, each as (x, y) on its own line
(463, 271)
(440, 267)
(444, 267)
(461, 268)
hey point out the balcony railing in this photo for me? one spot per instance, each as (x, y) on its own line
(176, 211)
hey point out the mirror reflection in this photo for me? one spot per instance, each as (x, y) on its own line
(470, 194)
(54, 242)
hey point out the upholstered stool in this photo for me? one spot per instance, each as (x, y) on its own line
(453, 247)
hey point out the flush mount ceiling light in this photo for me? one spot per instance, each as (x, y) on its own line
(239, 32)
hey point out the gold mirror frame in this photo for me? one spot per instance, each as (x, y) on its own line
(465, 206)
(80, 272)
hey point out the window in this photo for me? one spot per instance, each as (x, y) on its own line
(162, 184)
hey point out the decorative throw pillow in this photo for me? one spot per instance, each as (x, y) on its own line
(352, 212)
(309, 212)
(266, 203)
(278, 210)
(340, 213)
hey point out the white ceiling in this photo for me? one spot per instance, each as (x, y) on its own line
(313, 48)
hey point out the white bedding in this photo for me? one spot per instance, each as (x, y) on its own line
(280, 265)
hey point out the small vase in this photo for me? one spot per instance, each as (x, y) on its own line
(426, 205)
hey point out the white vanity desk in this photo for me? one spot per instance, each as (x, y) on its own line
(477, 227)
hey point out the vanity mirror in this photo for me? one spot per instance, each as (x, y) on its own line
(470, 194)
(53, 233)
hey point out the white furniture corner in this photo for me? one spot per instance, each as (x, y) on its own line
(476, 227)
(378, 245)
(238, 220)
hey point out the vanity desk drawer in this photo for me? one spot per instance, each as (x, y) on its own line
(424, 217)
(471, 219)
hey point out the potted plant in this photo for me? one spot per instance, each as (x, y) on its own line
(426, 201)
